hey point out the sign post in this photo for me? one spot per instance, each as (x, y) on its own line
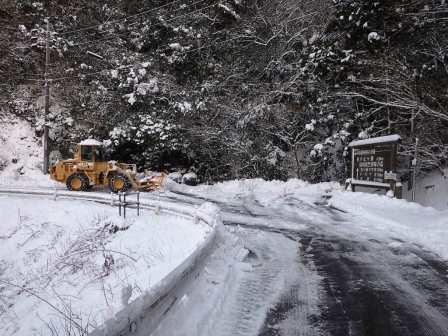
(374, 163)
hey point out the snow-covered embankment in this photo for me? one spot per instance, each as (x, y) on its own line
(76, 265)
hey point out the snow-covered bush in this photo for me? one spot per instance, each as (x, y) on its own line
(190, 179)
(145, 139)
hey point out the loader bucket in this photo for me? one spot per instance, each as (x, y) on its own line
(151, 181)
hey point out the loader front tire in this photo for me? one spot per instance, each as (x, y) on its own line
(119, 182)
(77, 182)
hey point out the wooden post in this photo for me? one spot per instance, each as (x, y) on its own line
(398, 192)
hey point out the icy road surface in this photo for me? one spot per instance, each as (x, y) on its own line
(300, 268)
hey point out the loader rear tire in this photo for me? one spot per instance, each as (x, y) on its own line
(77, 182)
(119, 182)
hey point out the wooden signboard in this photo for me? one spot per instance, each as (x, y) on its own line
(374, 162)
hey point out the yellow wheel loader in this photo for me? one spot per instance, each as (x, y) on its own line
(89, 168)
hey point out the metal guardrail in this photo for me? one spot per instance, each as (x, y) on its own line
(174, 208)
(121, 199)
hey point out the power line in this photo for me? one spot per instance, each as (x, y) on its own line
(136, 64)
(129, 66)
(165, 48)
(109, 38)
(98, 40)
(124, 34)
(119, 20)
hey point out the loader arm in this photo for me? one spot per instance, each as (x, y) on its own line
(148, 181)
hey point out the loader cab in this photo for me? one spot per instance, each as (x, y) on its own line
(90, 151)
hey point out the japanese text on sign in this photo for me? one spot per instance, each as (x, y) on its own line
(369, 167)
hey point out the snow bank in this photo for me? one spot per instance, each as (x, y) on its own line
(261, 191)
(289, 205)
(20, 155)
(138, 315)
(396, 219)
(76, 264)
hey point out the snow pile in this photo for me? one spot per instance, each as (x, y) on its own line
(74, 264)
(190, 178)
(211, 212)
(20, 155)
(393, 218)
(175, 177)
(266, 193)
(294, 199)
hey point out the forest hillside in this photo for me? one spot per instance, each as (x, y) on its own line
(231, 88)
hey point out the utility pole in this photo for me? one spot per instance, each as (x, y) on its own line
(414, 172)
(45, 165)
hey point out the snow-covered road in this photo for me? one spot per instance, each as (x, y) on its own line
(308, 269)
(298, 259)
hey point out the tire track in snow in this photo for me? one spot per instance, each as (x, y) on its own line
(260, 285)
(297, 310)
(374, 291)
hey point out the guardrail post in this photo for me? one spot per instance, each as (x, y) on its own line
(124, 205)
(138, 203)
(119, 203)
(123, 201)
